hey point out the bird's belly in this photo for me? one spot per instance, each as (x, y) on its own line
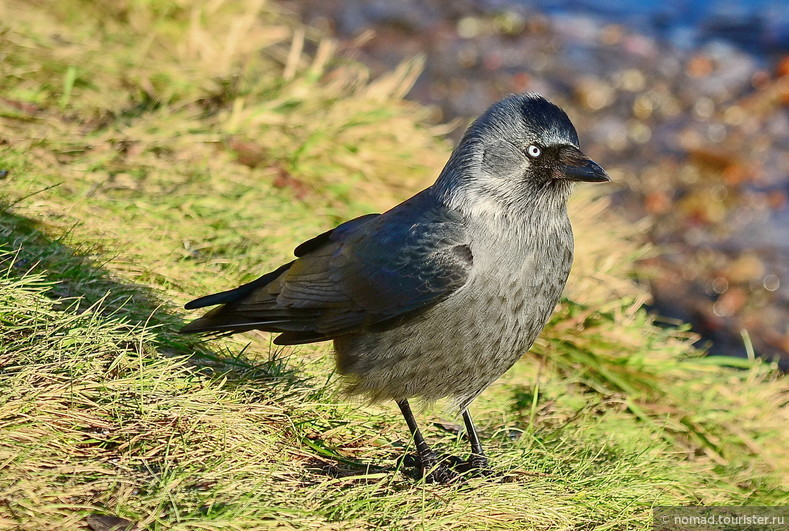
(458, 347)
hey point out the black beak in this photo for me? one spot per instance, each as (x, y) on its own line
(575, 166)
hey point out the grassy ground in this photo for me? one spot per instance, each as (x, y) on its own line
(156, 152)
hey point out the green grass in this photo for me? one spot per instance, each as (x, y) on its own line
(159, 151)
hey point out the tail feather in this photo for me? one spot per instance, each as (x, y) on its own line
(238, 293)
(229, 319)
(234, 315)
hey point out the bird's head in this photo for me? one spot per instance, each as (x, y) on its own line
(523, 151)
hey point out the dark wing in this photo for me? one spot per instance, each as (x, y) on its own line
(370, 272)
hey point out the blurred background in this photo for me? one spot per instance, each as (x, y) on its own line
(685, 104)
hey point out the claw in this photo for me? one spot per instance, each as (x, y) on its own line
(435, 470)
(476, 465)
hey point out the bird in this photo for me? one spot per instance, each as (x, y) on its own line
(439, 296)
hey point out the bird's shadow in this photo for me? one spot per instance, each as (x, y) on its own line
(79, 281)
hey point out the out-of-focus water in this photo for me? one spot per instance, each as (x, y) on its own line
(758, 26)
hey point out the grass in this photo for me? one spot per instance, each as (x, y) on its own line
(159, 151)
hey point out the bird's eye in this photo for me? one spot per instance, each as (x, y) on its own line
(534, 151)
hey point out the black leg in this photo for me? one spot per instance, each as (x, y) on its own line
(432, 469)
(477, 460)
(419, 441)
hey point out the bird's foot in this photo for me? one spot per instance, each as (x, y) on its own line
(432, 468)
(475, 465)
(437, 470)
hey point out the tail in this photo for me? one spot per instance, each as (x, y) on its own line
(224, 319)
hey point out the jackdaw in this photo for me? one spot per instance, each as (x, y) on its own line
(440, 295)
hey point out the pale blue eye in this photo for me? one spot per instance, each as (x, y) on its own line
(533, 151)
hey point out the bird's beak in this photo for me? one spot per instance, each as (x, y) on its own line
(575, 166)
